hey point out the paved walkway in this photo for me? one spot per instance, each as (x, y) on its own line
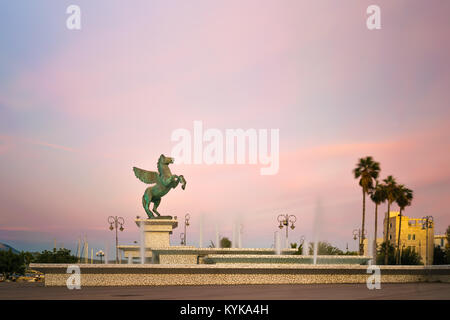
(11, 290)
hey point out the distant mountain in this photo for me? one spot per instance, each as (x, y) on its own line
(5, 247)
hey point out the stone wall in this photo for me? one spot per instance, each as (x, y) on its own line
(138, 275)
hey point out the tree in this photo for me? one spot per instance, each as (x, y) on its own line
(404, 198)
(378, 196)
(410, 257)
(391, 190)
(61, 255)
(447, 233)
(386, 254)
(447, 246)
(366, 171)
(225, 243)
(325, 248)
(12, 263)
(351, 253)
(299, 248)
(439, 255)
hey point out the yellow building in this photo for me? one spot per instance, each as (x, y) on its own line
(413, 235)
(441, 240)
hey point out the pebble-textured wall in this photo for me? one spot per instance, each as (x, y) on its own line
(138, 275)
(178, 259)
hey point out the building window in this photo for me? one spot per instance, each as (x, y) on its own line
(409, 237)
(390, 225)
(442, 242)
(390, 237)
(414, 237)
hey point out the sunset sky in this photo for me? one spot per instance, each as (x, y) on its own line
(80, 108)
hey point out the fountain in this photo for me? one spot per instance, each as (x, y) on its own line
(315, 252)
(201, 232)
(106, 254)
(277, 243)
(189, 265)
(369, 250)
(238, 231)
(316, 229)
(217, 237)
(233, 235)
(142, 243)
(305, 248)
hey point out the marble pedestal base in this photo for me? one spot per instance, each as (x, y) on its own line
(157, 231)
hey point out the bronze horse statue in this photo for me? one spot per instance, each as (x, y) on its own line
(164, 180)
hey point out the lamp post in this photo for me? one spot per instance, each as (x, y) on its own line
(114, 223)
(186, 224)
(100, 254)
(284, 220)
(427, 222)
(357, 235)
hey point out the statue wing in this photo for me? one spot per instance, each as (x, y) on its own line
(145, 176)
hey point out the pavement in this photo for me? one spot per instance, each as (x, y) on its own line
(401, 291)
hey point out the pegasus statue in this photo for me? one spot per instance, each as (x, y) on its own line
(164, 180)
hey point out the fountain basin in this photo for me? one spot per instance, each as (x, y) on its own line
(192, 255)
(284, 259)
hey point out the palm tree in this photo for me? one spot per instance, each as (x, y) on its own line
(366, 170)
(404, 199)
(391, 189)
(378, 196)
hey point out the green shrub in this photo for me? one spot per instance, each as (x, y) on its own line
(12, 263)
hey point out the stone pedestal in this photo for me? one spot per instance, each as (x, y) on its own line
(157, 231)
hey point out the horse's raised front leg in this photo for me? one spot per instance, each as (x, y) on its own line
(175, 180)
(183, 181)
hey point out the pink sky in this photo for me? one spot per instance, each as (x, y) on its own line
(79, 109)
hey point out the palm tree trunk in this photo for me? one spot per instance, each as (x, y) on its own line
(386, 249)
(375, 236)
(399, 232)
(361, 239)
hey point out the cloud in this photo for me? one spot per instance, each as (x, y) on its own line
(336, 91)
(5, 144)
(53, 146)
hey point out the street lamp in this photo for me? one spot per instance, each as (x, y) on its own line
(114, 223)
(186, 224)
(100, 254)
(284, 220)
(357, 235)
(427, 222)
